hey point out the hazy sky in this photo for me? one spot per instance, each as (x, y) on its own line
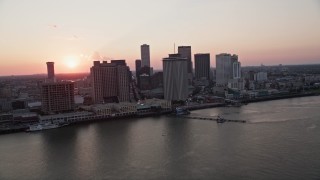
(69, 32)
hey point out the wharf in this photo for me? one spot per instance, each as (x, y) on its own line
(12, 129)
(203, 106)
(212, 118)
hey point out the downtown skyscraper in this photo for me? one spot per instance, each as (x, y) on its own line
(145, 55)
(110, 81)
(175, 77)
(202, 66)
(185, 52)
(138, 67)
(50, 70)
(227, 67)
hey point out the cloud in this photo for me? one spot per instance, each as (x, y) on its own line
(54, 26)
(74, 37)
(96, 56)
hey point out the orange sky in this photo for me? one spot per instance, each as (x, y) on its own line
(69, 33)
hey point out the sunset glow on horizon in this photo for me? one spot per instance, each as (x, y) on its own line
(71, 33)
(71, 62)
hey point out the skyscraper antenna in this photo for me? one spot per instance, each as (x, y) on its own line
(174, 48)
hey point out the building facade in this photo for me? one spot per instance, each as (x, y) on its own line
(224, 68)
(185, 52)
(110, 80)
(202, 66)
(144, 82)
(175, 78)
(261, 76)
(50, 70)
(238, 84)
(138, 67)
(145, 55)
(57, 97)
(236, 70)
(157, 80)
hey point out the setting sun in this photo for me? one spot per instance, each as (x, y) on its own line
(71, 62)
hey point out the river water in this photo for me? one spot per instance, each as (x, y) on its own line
(280, 141)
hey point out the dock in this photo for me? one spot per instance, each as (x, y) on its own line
(211, 118)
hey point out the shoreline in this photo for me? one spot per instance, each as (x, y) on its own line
(271, 98)
(22, 128)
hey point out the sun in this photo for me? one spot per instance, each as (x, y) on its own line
(71, 62)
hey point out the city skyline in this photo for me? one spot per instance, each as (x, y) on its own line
(261, 32)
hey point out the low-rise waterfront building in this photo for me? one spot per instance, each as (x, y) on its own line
(114, 109)
(25, 116)
(164, 104)
(6, 118)
(67, 117)
(153, 106)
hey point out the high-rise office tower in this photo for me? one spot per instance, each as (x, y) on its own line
(144, 82)
(185, 52)
(110, 81)
(157, 80)
(57, 97)
(138, 71)
(225, 68)
(175, 78)
(202, 66)
(50, 69)
(138, 67)
(145, 55)
(123, 63)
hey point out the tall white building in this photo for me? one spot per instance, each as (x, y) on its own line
(175, 78)
(145, 55)
(225, 68)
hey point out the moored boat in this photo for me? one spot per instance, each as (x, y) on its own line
(44, 126)
(182, 111)
(220, 120)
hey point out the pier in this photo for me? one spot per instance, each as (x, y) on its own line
(211, 118)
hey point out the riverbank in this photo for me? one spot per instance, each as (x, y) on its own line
(204, 106)
(13, 129)
(90, 119)
(276, 97)
(21, 128)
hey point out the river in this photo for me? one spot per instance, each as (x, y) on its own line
(281, 140)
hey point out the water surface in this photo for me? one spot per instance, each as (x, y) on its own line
(280, 141)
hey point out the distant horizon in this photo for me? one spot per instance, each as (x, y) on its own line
(64, 73)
